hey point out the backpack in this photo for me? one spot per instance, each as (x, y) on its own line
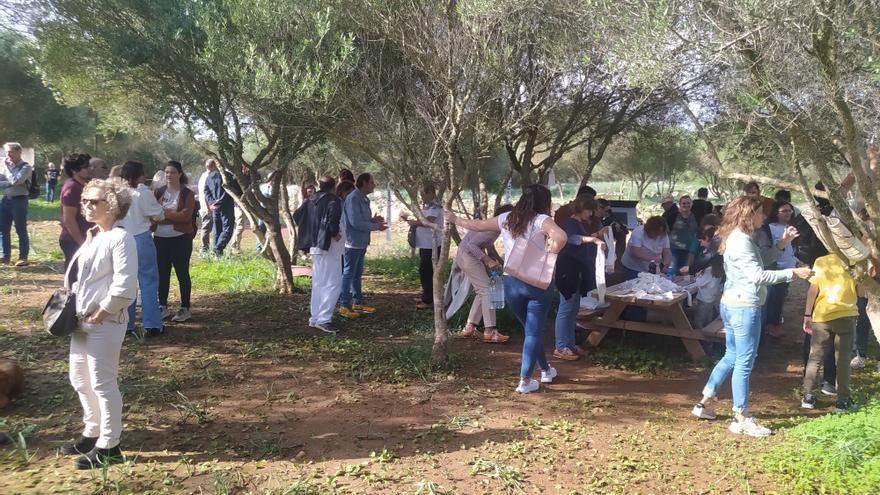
(411, 236)
(33, 186)
(806, 246)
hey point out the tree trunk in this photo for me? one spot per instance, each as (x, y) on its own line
(285, 213)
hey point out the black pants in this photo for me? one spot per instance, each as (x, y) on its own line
(174, 252)
(426, 274)
(69, 248)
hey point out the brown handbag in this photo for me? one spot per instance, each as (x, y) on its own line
(530, 261)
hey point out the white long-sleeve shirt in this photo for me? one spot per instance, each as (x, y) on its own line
(108, 268)
(203, 202)
(143, 210)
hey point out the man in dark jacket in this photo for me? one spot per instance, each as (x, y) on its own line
(701, 206)
(222, 208)
(326, 248)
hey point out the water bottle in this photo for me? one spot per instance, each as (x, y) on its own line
(496, 291)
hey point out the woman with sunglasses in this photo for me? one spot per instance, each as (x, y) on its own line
(779, 219)
(106, 287)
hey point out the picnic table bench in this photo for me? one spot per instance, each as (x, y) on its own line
(599, 322)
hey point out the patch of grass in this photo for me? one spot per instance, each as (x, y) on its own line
(398, 266)
(18, 433)
(192, 409)
(242, 273)
(39, 209)
(399, 364)
(427, 487)
(640, 353)
(836, 453)
(510, 477)
(303, 487)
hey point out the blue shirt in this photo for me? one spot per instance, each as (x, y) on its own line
(358, 220)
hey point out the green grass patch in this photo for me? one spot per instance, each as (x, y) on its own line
(397, 266)
(242, 273)
(640, 353)
(368, 360)
(837, 453)
(39, 209)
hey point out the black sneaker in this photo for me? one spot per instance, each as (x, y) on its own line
(98, 458)
(845, 405)
(829, 389)
(809, 401)
(83, 445)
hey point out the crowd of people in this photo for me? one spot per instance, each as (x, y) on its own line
(741, 260)
(121, 239)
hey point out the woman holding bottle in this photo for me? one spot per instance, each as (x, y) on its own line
(473, 260)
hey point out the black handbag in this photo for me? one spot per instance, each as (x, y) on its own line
(59, 314)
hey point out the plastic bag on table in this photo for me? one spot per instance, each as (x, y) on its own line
(612, 256)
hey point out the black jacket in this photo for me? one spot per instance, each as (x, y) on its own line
(325, 212)
(701, 208)
(576, 264)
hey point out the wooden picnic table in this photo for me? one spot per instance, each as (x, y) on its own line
(601, 321)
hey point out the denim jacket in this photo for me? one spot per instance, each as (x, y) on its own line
(358, 220)
(14, 179)
(747, 280)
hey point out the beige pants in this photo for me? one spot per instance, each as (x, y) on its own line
(476, 273)
(239, 229)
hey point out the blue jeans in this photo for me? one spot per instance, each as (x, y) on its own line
(530, 305)
(14, 210)
(148, 283)
(565, 320)
(50, 190)
(224, 222)
(352, 271)
(743, 327)
(679, 259)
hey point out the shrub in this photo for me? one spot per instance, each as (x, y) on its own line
(836, 453)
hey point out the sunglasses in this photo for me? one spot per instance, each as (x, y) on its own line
(93, 202)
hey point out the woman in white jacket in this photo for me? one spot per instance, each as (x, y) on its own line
(106, 287)
(143, 211)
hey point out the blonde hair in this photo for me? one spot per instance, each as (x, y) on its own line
(13, 146)
(116, 192)
(740, 214)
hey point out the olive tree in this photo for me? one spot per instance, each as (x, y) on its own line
(233, 72)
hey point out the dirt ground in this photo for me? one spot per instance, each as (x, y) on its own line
(245, 398)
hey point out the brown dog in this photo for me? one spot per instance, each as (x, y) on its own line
(11, 381)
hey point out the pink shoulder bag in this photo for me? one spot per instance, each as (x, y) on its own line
(530, 261)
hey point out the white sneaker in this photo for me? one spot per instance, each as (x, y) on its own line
(749, 427)
(703, 412)
(182, 315)
(549, 375)
(527, 388)
(164, 313)
(857, 363)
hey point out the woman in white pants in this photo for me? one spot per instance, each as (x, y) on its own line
(107, 286)
(473, 261)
